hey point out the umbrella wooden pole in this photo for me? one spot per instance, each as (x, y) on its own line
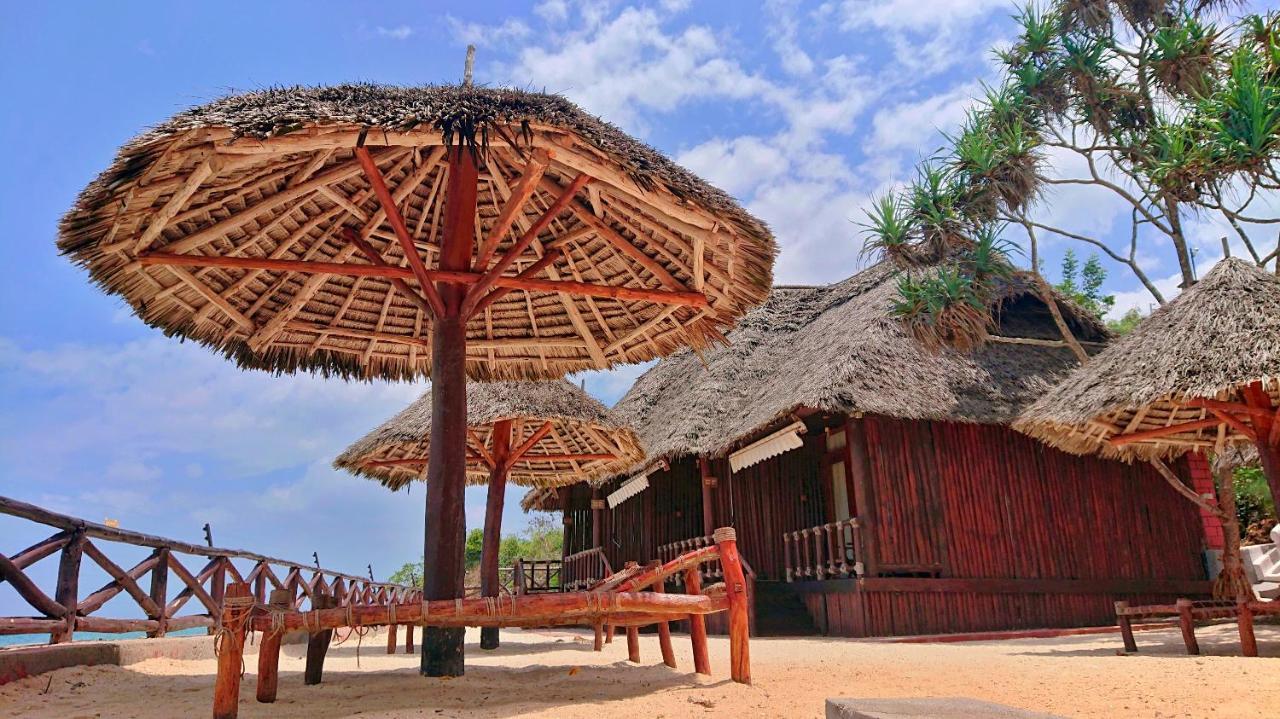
(1266, 436)
(442, 648)
(499, 451)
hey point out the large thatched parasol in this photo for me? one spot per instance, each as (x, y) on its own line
(1201, 373)
(536, 434)
(372, 231)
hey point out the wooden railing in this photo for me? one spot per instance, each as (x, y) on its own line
(827, 551)
(536, 576)
(70, 610)
(710, 571)
(583, 569)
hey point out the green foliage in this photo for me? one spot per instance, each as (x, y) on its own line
(1084, 285)
(1253, 497)
(1126, 323)
(542, 539)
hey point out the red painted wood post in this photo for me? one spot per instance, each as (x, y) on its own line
(160, 590)
(68, 588)
(391, 639)
(633, 644)
(1188, 627)
(269, 653)
(499, 450)
(598, 643)
(664, 629)
(408, 639)
(1248, 642)
(735, 583)
(442, 647)
(608, 634)
(697, 625)
(237, 603)
(1126, 627)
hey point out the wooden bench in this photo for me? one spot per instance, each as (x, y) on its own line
(1188, 612)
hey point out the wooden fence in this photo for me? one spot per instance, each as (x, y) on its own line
(69, 610)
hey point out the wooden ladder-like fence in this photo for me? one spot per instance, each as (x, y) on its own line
(69, 610)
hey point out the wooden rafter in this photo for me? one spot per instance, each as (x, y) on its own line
(375, 258)
(514, 204)
(689, 299)
(392, 212)
(493, 273)
(1231, 421)
(528, 444)
(1123, 439)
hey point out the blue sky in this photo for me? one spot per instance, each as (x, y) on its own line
(802, 111)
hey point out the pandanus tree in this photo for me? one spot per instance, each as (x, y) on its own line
(1169, 108)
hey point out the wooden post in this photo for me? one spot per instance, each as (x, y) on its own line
(664, 637)
(1248, 642)
(160, 590)
(708, 500)
(237, 603)
(633, 644)
(1126, 627)
(408, 639)
(1188, 627)
(442, 648)
(735, 583)
(391, 639)
(218, 582)
(68, 588)
(864, 495)
(597, 517)
(499, 451)
(608, 634)
(697, 625)
(269, 652)
(598, 643)
(318, 643)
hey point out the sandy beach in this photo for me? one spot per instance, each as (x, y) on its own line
(555, 673)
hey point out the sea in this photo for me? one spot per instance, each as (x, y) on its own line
(21, 639)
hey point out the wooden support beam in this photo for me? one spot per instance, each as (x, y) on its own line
(500, 438)
(1123, 439)
(375, 258)
(226, 687)
(735, 583)
(493, 273)
(269, 653)
(177, 201)
(531, 271)
(529, 443)
(396, 221)
(318, 643)
(28, 590)
(514, 204)
(586, 289)
(68, 587)
(478, 445)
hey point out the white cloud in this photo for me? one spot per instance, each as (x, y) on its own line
(399, 32)
(481, 35)
(914, 15)
(911, 125)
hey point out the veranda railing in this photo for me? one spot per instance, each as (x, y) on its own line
(147, 582)
(583, 569)
(827, 551)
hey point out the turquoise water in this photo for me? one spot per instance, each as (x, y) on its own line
(15, 639)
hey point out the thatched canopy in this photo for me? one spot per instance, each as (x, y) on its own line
(836, 348)
(250, 192)
(540, 499)
(1211, 343)
(396, 452)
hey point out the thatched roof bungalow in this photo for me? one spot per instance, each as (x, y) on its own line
(879, 482)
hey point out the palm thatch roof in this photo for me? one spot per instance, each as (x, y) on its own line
(248, 187)
(1211, 342)
(396, 452)
(836, 348)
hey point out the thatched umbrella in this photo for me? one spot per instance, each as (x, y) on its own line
(1201, 373)
(383, 232)
(536, 434)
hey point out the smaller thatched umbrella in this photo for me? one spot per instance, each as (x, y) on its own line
(1201, 373)
(538, 434)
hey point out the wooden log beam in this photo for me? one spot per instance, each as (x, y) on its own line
(586, 289)
(529, 443)
(269, 653)
(317, 642)
(40, 550)
(28, 590)
(697, 624)
(120, 581)
(500, 437)
(520, 194)
(396, 221)
(1123, 439)
(375, 258)
(67, 591)
(226, 686)
(735, 583)
(493, 273)
(633, 644)
(529, 272)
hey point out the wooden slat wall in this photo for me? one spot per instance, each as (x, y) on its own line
(778, 495)
(1014, 507)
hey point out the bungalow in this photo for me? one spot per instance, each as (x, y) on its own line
(876, 487)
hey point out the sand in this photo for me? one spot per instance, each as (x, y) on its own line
(555, 674)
